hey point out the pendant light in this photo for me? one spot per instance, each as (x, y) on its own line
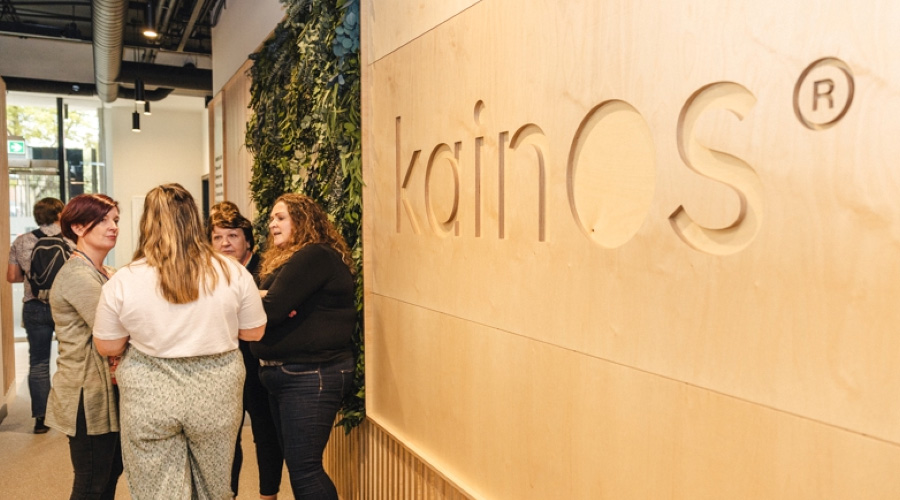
(135, 120)
(149, 27)
(139, 91)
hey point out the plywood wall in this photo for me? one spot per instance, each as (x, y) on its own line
(7, 352)
(636, 249)
(238, 161)
(228, 115)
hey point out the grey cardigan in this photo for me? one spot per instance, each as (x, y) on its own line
(80, 369)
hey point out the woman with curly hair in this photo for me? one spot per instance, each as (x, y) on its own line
(179, 308)
(306, 356)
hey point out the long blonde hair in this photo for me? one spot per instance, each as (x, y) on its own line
(173, 242)
(309, 226)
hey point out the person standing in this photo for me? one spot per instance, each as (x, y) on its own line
(177, 312)
(83, 401)
(36, 314)
(306, 355)
(232, 234)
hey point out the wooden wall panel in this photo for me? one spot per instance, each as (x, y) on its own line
(633, 249)
(400, 21)
(7, 351)
(239, 161)
(234, 99)
(511, 418)
(215, 123)
(370, 463)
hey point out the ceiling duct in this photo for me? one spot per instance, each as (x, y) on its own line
(186, 77)
(49, 87)
(77, 89)
(108, 17)
(149, 95)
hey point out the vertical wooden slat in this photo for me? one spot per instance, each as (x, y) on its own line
(370, 464)
(7, 351)
(239, 162)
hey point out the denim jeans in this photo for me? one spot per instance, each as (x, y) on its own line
(39, 329)
(305, 399)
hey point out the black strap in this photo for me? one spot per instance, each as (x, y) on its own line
(37, 232)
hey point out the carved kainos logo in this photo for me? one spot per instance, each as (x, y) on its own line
(611, 166)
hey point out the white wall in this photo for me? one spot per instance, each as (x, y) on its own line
(169, 148)
(243, 26)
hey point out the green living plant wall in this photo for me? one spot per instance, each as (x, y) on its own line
(304, 133)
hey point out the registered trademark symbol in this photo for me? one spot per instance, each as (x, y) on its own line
(823, 93)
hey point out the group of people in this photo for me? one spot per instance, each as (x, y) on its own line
(159, 360)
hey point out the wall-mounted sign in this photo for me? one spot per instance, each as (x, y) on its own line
(15, 147)
(218, 177)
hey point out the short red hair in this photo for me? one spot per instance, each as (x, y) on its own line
(86, 210)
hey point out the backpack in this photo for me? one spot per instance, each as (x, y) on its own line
(47, 258)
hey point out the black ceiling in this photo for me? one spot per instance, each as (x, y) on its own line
(184, 25)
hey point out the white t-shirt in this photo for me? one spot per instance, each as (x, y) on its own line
(131, 306)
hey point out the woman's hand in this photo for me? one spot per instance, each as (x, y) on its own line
(113, 364)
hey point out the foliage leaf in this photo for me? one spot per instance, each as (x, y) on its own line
(304, 133)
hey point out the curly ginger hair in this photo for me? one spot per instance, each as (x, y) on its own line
(309, 226)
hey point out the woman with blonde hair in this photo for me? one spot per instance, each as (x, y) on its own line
(306, 356)
(177, 311)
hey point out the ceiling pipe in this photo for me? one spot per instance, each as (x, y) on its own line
(190, 26)
(170, 7)
(108, 17)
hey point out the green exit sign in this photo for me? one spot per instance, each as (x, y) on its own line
(15, 147)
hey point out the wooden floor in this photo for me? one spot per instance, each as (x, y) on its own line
(38, 466)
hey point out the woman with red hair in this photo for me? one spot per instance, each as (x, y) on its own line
(83, 402)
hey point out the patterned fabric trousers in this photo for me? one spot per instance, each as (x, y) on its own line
(179, 419)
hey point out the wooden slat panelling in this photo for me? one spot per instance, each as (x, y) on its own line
(369, 464)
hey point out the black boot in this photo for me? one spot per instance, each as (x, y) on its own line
(39, 427)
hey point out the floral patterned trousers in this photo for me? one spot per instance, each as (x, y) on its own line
(179, 419)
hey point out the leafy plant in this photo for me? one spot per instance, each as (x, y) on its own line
(305, 134)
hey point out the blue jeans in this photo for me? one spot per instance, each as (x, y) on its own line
(305, 399)
(39, 329)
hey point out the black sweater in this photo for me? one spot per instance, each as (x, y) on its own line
(317, 284)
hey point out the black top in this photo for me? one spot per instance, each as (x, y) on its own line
(317, 284)
(253, 267)
(249, 361)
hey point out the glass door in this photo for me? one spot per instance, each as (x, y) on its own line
(38, 125)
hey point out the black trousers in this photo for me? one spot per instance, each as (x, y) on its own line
(268, 449)
(97, 461)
